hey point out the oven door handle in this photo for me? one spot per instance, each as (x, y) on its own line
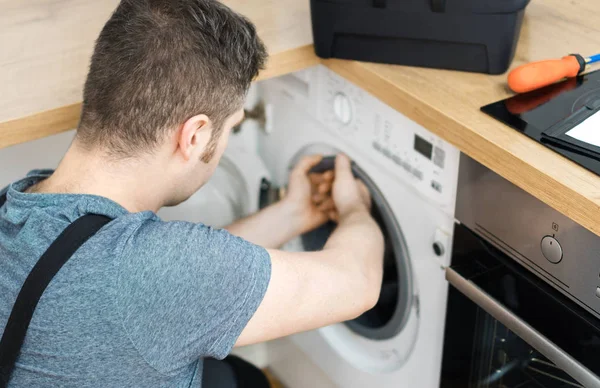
(522, 329)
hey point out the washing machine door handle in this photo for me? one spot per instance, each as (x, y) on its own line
(328, 164)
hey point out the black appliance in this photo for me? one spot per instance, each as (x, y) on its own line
(524, 301)
(535, 112)
(470, 35)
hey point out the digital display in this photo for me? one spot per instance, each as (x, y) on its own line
(423, 147)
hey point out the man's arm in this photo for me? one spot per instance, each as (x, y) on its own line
(314, 289)
(271, 227)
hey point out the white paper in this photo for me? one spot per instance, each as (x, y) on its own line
(588, 131)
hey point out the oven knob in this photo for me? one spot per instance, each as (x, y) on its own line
(551, 249)
(342, 108)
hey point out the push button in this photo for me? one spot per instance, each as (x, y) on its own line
(598, 292)
(418, 174)
(551, 249)
(438, 157)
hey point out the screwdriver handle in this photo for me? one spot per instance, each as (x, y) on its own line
(543, 73)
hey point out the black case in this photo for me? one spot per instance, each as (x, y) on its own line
(470, 35)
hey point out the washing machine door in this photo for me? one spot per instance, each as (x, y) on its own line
(394, 319)
(230, 194)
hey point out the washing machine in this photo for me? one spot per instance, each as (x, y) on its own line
(412, 175)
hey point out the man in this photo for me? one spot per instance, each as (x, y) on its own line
(143, 302)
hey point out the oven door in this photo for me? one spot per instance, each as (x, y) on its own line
(506, 328)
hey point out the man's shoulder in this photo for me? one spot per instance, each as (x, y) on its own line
(151, 245)
(150, 234)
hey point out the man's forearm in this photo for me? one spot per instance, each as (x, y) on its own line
(359, 235)
(271, 227)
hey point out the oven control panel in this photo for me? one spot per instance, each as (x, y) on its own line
(408, 151)
(542, 240)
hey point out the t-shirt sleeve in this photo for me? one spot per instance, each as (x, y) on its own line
(186, 291)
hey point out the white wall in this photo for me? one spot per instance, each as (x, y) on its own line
(16, 161)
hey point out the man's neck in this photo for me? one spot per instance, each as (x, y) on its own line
(131, 182)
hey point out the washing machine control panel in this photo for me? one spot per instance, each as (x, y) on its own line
(404, 148)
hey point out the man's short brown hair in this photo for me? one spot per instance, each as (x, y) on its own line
(158, 63)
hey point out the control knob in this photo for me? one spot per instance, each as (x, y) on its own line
(551, 249)
(438, 248)
(440, 241)
(342, 108)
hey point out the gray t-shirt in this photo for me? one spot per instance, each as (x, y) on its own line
(138, 305)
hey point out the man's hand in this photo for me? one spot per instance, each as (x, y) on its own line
(304, 208)
(334, 194)
(349, 194)
(309, 195)
(311, 200)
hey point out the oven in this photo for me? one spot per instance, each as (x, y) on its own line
(523, 306)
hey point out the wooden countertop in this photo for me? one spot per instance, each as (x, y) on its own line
(49, 44)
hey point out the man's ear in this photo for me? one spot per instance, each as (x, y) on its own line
(194, 135)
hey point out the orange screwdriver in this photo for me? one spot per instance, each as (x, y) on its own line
(543, 73)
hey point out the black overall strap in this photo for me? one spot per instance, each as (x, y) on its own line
(59, 252)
